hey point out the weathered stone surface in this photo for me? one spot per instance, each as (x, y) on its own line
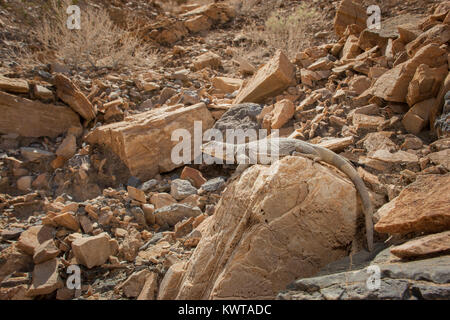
(14, 85)
(162, 199)
(266, 218)
(133, 286)
(45, 251)
(424, 279)
(92, 251)
(67, 220)
(226, 85)
(175, 213)
(150, 288)
(68, 147)
(34, 119)
(14, 260)
(143, 142)
(423, 206)
(393, 84)
(136, 194)
(242, 116)
(425, 83)
(194, 176)
(429, 245)
(441, 157)
(198, 23)
(417, 118)
(172, 280)
(439, 34)
(216, 12)
(347, 14)
(207, 60)
(271, 79)
(45, 279)
(30, 239)
(68, 92)
(282, 112)
(181, 189)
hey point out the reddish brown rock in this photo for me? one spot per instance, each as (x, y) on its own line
(34, 119)
(423, 206)
(425, 83)
(194, 176)
(33, 237)
(67, 220)
(68, 92)
(207, 60)
(417, 118)
(422, 247)
(349, 13)
(393, 84)
(282, 112)
(45, 251)
(274, 77)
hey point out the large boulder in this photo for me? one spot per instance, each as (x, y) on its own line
(144, 141)
(270, 227)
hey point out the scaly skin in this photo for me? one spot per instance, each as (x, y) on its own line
(287, 146)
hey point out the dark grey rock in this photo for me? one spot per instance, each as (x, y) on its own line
(133, 182)
(213, 185)
(423, 279)
(181, 189)
(11, 234)
(242, 116)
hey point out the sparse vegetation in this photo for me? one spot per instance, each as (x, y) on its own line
(289, 32)
(99, 43)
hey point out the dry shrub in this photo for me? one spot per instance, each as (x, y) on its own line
(289, 32)
(99, 42)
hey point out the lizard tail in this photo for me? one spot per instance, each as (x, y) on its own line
(345, 166)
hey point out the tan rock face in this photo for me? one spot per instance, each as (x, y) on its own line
(349, 13)
(194, 176)
(418, 116)
(162, 199)
(207, 60)
(226, 85)
(426, 83)
(67, 220)
(268, 219)
(150, 288)
(45, 279)
(423, 206)
(33, 237)
(133, 286)
(270, 80)
(282, 112)
(429, 245)
(439, 34)
(143, 142)
(14, 85)
(46, 251)
(68, 92)
(68, 147)
(136, 194)
(170, 284)
(92, 251)
(393, 85)
(34, 119)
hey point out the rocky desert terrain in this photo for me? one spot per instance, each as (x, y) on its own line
(93, 205)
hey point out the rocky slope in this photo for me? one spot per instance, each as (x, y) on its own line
(87, 177)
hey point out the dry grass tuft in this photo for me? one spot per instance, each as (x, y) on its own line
(99, 42)
(289, 32)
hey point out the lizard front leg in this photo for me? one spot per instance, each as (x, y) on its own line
(313, 157)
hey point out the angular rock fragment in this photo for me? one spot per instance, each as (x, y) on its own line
(274, 77)
(34, 119)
